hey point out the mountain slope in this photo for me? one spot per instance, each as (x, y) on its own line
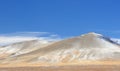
(89, 46)
(19, 48)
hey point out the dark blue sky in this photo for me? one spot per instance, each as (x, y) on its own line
(63, 17)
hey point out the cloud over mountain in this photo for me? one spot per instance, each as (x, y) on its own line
(26, 36)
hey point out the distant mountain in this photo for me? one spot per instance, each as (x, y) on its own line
(91, 46)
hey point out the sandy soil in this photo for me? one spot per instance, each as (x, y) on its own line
(66, 68)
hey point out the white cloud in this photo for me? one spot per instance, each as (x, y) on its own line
(25, 36)
(117, 40)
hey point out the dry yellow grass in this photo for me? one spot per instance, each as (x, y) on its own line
(83, 62)
(66, 68)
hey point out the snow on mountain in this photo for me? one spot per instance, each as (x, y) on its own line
(22, 47)
(89, 46)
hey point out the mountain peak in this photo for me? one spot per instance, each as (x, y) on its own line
(91, 34)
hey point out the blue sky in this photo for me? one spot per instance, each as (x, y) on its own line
(63, 17)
